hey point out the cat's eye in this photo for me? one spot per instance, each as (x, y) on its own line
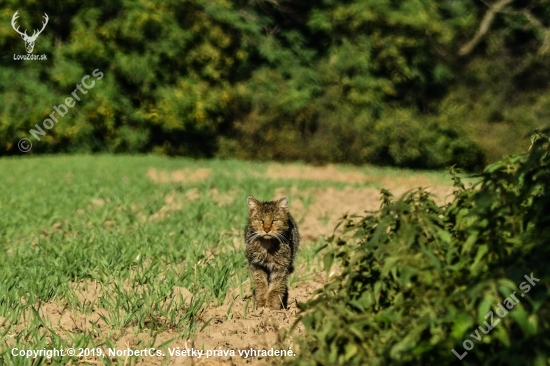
(261, 221)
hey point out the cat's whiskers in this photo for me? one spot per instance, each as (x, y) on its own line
(281, 238)
(253, 236)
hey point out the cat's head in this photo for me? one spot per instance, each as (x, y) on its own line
(268, 219)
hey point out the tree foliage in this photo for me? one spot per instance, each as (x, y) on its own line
(356, 81)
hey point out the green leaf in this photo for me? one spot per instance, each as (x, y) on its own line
(481, 251)
(328, 259)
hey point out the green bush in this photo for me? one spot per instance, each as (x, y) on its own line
(407, 140)
(402, 139)
(417, 280)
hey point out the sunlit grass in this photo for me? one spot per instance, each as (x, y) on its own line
(70, 223)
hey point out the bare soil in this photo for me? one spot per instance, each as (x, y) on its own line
(317, 212)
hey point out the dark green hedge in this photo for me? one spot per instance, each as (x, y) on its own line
(420, 280)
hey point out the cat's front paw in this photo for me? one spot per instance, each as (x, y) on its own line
(260, 303)
(274, 301)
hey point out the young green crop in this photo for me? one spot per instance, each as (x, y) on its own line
(116, 245)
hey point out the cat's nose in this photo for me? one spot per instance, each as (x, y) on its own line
(267, 228)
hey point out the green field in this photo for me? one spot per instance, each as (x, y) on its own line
(137, 252)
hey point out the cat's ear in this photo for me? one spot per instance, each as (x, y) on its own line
(252, 203)
(283, 202)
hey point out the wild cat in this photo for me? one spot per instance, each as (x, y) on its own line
(272, 240)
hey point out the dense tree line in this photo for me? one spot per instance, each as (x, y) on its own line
(414, 83)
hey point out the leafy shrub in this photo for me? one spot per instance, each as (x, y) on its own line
(417, 279)
(401, 139)
(408, 140)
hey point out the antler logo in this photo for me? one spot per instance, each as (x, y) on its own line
(29, 41)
